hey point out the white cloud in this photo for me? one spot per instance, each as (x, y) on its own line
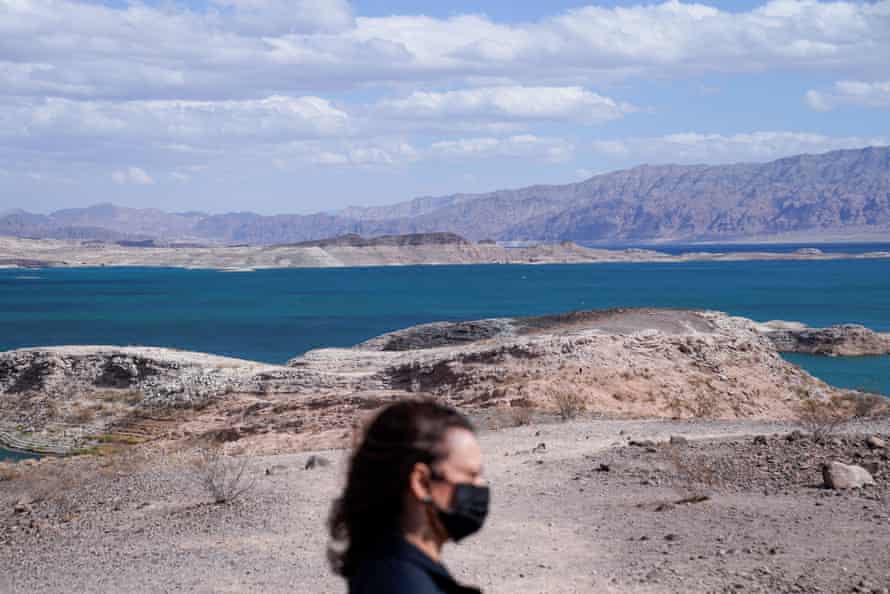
(507, 103)
(851, 92)
(132, 175)
(666, 39)
(394, 152)
(179, 125)
(255, 48)
(347, 153)
(692, 147)
(524, 145)
(241, 80)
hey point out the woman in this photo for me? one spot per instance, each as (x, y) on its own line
(414, 483)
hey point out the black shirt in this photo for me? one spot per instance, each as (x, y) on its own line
(398, 567)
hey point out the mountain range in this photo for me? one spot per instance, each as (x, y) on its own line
(835, 193)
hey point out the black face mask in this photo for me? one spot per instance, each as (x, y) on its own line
(469, 508)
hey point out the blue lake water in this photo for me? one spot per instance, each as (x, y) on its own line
(14, 456)
(782, 248)
(272, 315)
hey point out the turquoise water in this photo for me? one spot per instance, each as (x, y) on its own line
(871, 374)
(782, 248)
(14, 456)
(273, 315)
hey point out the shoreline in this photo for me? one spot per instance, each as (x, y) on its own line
(18, 254)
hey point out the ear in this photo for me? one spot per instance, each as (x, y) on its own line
(419, 483)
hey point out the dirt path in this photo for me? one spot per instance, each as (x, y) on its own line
(557, 525)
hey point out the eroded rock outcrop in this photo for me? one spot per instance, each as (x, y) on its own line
(623, 362)
(844, 340)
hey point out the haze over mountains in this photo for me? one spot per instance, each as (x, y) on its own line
(841, 192)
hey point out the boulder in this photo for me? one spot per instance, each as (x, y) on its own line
(846, 340)
(316, 462)
(843, 476)
(796, 435)
(876, 443)
(678, 440)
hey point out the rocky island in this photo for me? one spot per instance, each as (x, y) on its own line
(357, 251)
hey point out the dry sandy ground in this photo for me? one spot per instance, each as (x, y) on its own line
(557, 525)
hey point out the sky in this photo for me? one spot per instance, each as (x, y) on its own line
(298, 106)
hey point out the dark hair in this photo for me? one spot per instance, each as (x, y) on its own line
(370, 508)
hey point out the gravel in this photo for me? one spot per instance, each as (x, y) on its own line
(584, 513)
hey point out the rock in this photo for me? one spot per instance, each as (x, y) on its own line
(871, 467)
(678, 440)
(842, 340)
(540, 448)
(315, 461)
(842, 476)
(277, 469)
(471, 364)
(760, 440)
(603, 468)
(641, 443)
(796, 435)
(875, 443)
(22, 507)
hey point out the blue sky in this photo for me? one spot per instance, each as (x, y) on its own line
(310, 105)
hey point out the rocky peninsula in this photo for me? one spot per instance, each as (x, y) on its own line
(633, 363)
(355, 251)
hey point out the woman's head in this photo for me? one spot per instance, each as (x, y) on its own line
(415, 456)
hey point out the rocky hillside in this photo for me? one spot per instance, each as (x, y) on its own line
(638, 363)
(841, 193)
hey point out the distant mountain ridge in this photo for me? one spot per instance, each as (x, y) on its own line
(837, 192)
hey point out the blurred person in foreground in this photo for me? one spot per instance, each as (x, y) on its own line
(414, 483)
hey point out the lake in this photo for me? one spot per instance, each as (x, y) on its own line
(273, 315)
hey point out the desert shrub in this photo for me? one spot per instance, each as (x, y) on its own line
(569, 404)
(704, 406)
(8, 472)
(82, 413)
(520, 415)
(865, 405)
(53, 483)
(225, 478)
(699, 406)
(117, 459)
(823, 418)
(128, 396)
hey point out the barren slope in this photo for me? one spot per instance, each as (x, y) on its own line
(616, 363)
